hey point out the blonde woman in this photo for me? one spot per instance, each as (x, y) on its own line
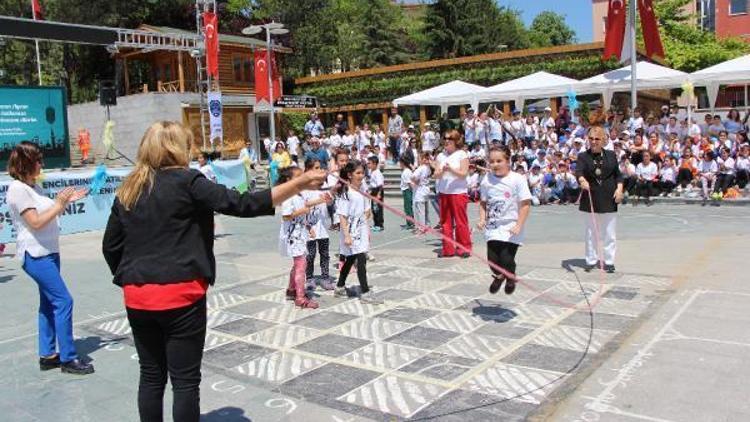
(159, 246)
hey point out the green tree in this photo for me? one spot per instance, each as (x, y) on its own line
(454, 28)
(384, 34)
(550, 29)
(687, 46)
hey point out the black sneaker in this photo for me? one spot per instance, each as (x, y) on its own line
(496, 283)
(465, 255)
(510, 287)
(589, 267)
(442, 255)
(609, 268)
(45, 364)
(77, 367)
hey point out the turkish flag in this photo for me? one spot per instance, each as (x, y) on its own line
(615, 29)
(37, 11)
(650, 29)
(211, 31)
(261, 76)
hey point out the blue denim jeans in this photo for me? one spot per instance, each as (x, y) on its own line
(55, 306)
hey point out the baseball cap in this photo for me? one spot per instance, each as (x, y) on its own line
(547, 109)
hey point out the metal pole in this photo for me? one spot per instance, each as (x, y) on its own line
(747, 106)
(272, 123)
(633, 57)
(198, 61)
(36, 44)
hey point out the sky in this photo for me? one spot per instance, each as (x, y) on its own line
(577, 13)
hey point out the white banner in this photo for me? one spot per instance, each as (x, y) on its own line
(214, 112)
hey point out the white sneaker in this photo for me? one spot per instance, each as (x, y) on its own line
(370, 298)
(370, 257)
(340, 292)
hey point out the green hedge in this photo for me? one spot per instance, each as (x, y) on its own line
(375, 89)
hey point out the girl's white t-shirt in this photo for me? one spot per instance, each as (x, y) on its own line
(406, 175)
(428, 141)
(449, 183)
(647, 172)
(318, 217)
(667, 174)
(421, 178)
(707, 167)
(742, 163)
(728, 164)
(503, 196)
(37, 243)
(293, 234)
(353, 206)
(292, 144)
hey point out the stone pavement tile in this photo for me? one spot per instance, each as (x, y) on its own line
(251, 289)
(474, 346)
(385, 280)
(438, 301)
(567, 294)
(511, 330)
(490, 310)
(440, 264)
(638, 280)
(384, 355)
(544, 357)
(232, 354)
(601, 321)
(573, 338)
(426, 285)
(283, 336)
(219, 300)
(369, 328)
(622, 293)
(252, 307)
(243, 327)
(440, 366)
(278, 295)
(537, 314)
(278, 281)
(466, 289)
(116, 327)
(393, 395)
(377, 269)
(460, 322)
(357, 308)
(324, 320)
(215, 318)
(278, 367)
(423, 337)
(395, 295)
(332, 345)
(215, 340)
(401, 261)
(551, 274)
(326, 383)
(409, 273)
(631, 308)
(468, 406)
(411, 315)
(514, 382)
(287, 312)
(451, 276)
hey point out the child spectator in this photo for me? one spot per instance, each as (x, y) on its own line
(646, 174)
(407, 193)
(376, 185)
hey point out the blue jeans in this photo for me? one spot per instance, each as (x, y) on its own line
(55, 306)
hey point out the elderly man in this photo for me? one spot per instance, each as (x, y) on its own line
(318, 153)
(314, 127)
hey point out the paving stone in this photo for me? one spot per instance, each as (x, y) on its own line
(463, 406)
(215, 340)
(333, 345)
(356, 307)
(252, 289)
(324, 320)
(622, 293)
(438, 301)
(244, 327)
(601, 321)
(283, 336)
(511, 330)
(440, 263)
(440, 366)
(574, 338)
(514, 382)
(475, 346)
(326, 383)
(466, 289)
(385, 280)
(384, 355)
(394, 395)
(423, 337)
(232, 354)
(380, 269)
(448, 276)
(412, 315)
(218, 300)
(395, 295)
(544, 357)
(278, 367)
(252, 307)
(368, 328)
(460, 322)
(490, 310)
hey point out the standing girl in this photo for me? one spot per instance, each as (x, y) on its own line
(421, 182)
(353, 211)
(503, 210)
(319, 220)
(407, 193)
(293, 236)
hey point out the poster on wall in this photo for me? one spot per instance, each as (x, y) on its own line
(215, 111)
(36, 114)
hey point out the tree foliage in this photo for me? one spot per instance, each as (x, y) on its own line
(550, 29)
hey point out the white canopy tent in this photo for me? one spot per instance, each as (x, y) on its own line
(447, 94)
(649, 76)
(536, 85)
(735, 71)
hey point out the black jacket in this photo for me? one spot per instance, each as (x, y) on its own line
(168, 236)
(602, 186)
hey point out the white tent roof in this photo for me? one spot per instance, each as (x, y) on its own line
(441, 95)
(649, 76)
(536, 85)
(731, 71)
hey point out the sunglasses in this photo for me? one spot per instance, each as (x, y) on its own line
(595, 139)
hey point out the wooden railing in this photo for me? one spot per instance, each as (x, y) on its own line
(170, 86)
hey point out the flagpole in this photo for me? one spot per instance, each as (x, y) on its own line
(36, 44)
(633, 57)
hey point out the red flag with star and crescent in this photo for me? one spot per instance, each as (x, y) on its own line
(37, 11)
(615, 29)
(650, 27)
(262, 68)
(210, 27)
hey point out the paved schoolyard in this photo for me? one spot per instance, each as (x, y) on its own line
(439, 348)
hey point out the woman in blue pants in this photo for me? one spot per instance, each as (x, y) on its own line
(34, 218)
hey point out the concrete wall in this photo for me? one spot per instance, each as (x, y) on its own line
(132, 115)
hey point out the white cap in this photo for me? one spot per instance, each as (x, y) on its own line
(547, 109)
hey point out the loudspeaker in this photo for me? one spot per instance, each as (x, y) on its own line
(107, 93)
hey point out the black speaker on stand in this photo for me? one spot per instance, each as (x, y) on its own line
(107, 94)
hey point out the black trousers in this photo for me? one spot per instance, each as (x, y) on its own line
(743, 177)
(684, 177)
(169, 342)
(645, 188)
(325, 259)
(723, 182)
(666, 186)
(361, 260)
(628, 185)
(377, 209)
(502, 254)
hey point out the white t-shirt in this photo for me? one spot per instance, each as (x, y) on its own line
(421, 178)
(635, 123)
(470, 129)
(293, 234)
(376, 179)
(208, 172)
(563, 180)
(318, 217)
(292, 145)
(743, 163)
(428, 141)
(648, 172)
(37, 243)
(496, 130)
(668, 174)
(406, 175)
(503, 196)
(728, 165)
(353, 206)
(472, 181)
(334, 141)
(347, 141)
(708, 167)
(449, 183)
